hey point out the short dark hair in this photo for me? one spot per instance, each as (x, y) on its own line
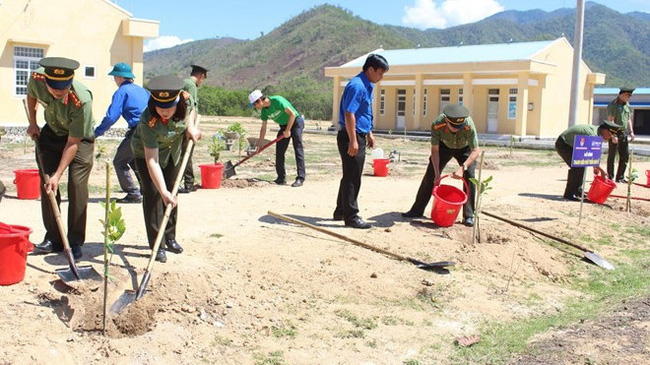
(375, 61)
(179, 114)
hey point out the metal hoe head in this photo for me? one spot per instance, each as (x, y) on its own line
(431, 265)
(83, 273)
(598, 260)
(128, 297)
(229, 170)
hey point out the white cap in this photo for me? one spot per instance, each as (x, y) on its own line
(252, 97)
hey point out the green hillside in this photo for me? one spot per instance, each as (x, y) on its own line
(291, 58)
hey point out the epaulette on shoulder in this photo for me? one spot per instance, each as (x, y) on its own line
(439, 126)
(75, 99)
(152, 122)
(467, 128)
(38, 76)
(186, 95)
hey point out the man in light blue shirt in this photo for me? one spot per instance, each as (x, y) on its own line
(128, 102)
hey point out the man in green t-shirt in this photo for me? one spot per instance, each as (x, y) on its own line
(564, 148)
(192, 85)
(619, 112)
(291, 125)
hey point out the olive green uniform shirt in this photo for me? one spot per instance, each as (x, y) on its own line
(151, 132)
(440, 133)
(276, 111)
(193, 89)
(570, 134)
(621, 113)
(71, 115)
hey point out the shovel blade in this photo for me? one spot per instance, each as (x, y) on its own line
(229, 170)
(436, 264)
(598, 260)
(122, 302)
(85, 273)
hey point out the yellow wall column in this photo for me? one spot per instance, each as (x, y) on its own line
(336, 100)
(468, 92)
(522, 105)
(419, 91)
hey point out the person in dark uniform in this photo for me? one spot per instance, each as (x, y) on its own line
(619, 112)
(3, 190)
(355, 131)
(128, 102)
(453, 134)
(192, 85)
(291, 123)
(66, 141)
(157, 145)
(564, 147)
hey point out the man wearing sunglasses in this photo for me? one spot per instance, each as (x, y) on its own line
(453, 134)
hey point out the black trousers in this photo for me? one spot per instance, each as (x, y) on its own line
(352, 166)
(124, 163)
(188, 174)
(426, 186)
(622, 147)
(51, 147)
(281, 149)
(575, 174)
(152, 203)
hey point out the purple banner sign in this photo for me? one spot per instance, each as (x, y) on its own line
(586, 151)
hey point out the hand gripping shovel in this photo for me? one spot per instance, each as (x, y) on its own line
(130, 296)
(418, 263)
(229, 169)
(588, 254)
(74, 273)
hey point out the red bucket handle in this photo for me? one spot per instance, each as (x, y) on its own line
(444, 176)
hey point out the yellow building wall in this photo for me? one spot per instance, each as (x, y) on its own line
(89, 31)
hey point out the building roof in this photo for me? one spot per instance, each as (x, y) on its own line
(614, 91)
(459, 54)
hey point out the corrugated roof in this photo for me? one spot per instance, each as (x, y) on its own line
(614, 91)
(458, 54)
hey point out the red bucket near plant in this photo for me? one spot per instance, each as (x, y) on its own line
(447, 202)
(28, 184)
(380, 166)
(600, 189)
(211, 175)
(14, 246)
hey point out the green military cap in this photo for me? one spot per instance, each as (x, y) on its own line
(624, 90)
(199, 69)
(610, 126)
(165, 90)
(457, 114)
(59, 71)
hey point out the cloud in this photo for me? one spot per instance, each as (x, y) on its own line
(427, 14)
(165, 41)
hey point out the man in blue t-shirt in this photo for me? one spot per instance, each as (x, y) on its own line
(355, 130)
(128, 101)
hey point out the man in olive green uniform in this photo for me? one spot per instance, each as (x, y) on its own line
(619, 112)
(66, 142)
(564, 147)
(453, 134)
(192, 85)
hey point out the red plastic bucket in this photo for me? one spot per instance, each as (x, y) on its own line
(647, 174)
(600, 189)
(14, 246)
(447, 201)
(28, 184)
(211, 176)
(380, 166)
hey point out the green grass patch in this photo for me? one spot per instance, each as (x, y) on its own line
(288, 331)
(221, 341)
(366, 323)
(272, 358)
(216, 235)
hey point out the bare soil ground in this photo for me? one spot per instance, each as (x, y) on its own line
(251, 289)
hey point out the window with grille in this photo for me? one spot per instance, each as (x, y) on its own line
(25, 61)
(382, 102)
(460, 96)
(424, 104)
(445, 98)
(512, 104)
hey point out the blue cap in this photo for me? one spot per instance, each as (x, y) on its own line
(122, 70)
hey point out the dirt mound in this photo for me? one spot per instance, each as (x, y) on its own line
(243, 183)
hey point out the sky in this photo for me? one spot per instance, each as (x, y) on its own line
(182, 22)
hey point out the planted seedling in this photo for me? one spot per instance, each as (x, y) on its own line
(482, 186)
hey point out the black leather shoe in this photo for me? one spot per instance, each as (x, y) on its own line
(357, 222)
(411, 214)
(76, 252)
(280, 181)
(621, 180)
(338, 217)
(47, 246)
(183, 191)
(173, 246)
(469, 221)
(161, 256)
(130, 199)
(192, 188)
(297, 183)
(572, 197)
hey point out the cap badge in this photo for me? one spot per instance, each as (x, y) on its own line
(58, 71)
(163, 94)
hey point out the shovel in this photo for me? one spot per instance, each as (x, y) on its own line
(588, 254)
(418, 263)
(229, 169)
(130, 296)
(74, 273)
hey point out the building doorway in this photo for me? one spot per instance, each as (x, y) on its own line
(493, 111)
(642, 122)
(401, 109)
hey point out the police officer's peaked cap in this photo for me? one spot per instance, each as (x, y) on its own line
(201, 69)
(165, 90)
(610, 126)
(457, 114)
(59, 71)
(624, 90)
